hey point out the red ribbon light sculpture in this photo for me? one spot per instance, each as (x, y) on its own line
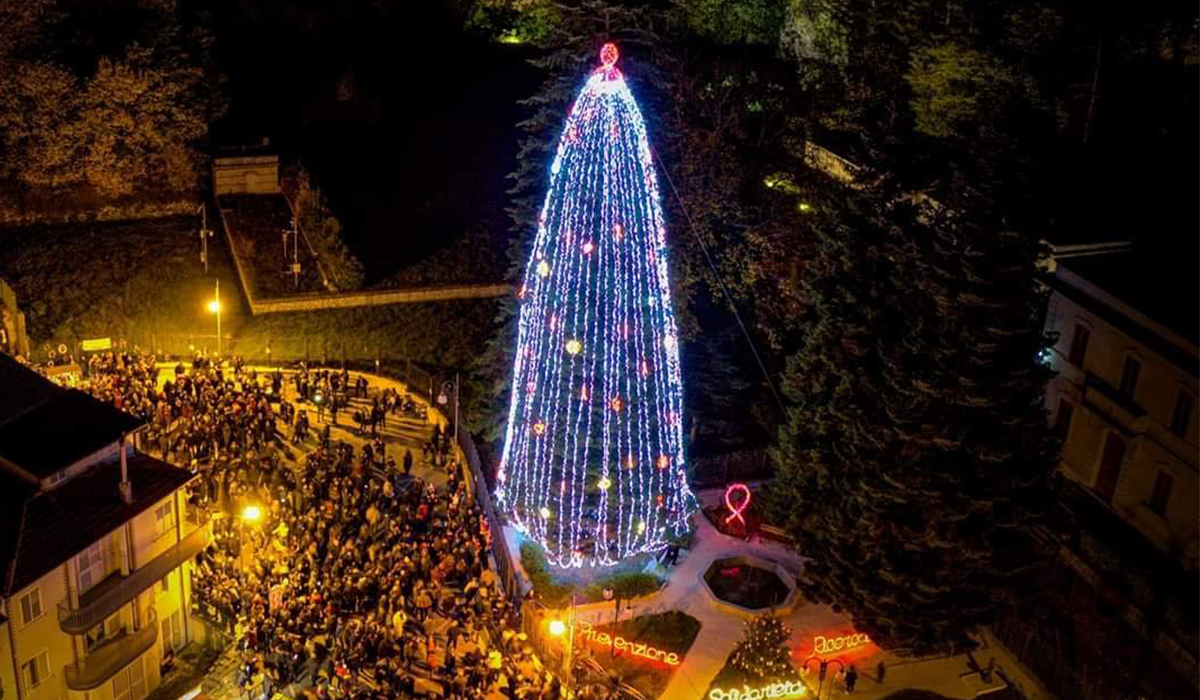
(735, 511)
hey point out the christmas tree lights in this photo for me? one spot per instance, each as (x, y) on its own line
(593, 465)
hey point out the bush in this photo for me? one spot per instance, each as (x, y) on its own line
(554, 594)
(544, 588)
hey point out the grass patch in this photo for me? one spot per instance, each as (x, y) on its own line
(555, 591)
(672, 632)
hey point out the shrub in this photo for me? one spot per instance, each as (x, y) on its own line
(544, 588)
(324, 233)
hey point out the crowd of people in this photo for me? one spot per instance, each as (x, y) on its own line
(339, 573)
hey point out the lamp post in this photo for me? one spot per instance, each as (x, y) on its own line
(215, 307)
(822, 670)
(557, 629)
(442, 398)
(205, 234)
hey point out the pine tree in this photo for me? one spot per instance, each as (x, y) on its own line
(762, 655)
(915, 461)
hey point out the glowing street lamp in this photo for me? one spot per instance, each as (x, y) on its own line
(251, 514)
(557, 628)
(214, 306)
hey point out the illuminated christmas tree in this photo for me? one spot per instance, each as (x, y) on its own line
(593, 463)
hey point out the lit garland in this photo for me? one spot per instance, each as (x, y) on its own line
(593, 465)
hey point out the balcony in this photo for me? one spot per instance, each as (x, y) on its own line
(104, 661)
(107, 597)
(1110, 402)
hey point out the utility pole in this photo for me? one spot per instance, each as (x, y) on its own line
(295, 253)
(205, 234)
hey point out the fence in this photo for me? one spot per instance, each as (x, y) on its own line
(584, 670)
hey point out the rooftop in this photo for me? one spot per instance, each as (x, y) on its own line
(1160, 284)
(44, 427)
(41, 530)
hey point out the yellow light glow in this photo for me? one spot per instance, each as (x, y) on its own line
(557, 628)
(543, 269)
(545, 512)
(574, 346)
(604, 483)
(214, 306)
(804, 206)
(641, 526)
(251, 513)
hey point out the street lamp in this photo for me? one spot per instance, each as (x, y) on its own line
(214, 306)
(822, 670)
(442, 399)
(251, 513)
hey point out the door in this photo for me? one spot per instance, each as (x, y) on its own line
(1110, 466)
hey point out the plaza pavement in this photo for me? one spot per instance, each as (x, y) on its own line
(722, 630)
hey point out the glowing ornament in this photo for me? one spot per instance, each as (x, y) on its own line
(662, 462)
(602, 183)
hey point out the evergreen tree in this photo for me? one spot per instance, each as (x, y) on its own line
(915, 461)
(762, 655)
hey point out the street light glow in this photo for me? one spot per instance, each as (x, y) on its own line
(214, 306)
(557, 628)
(251, 513)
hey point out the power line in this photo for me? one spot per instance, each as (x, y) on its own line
(724, 290)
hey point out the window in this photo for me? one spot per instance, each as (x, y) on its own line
(1129, 376)
(1079, 345)
(35, 671)
(31, 606)
(164, 585)
(130, 682)
(1062, 420)
(172, 632)
(1161, 493)
(1181, 416)
(89, 567)
(164, 518)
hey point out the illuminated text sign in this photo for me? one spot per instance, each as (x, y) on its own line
(828, 645)
(782, 689)
(639, 649)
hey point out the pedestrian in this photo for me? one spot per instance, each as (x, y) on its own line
(408, 461)
(851, 679)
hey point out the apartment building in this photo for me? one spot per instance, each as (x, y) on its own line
(1125, 398)
(96, 547)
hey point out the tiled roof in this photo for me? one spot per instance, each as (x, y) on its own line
(41, 530)
(44, 428)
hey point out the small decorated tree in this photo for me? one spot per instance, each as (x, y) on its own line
(762, 655)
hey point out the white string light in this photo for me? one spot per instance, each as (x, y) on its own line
(593, 465)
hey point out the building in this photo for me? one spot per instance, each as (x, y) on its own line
(96, 546)
(1125, 398)
(1115, 615)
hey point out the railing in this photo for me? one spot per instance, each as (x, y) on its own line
(110, 657)
(720, 470)
(109, 595)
